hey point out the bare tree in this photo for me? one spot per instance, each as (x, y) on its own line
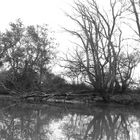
(100, 36)
(135, 4)
(127, 64)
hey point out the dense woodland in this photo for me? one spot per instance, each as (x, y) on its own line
(101, 62)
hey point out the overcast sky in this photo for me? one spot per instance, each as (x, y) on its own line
(32, 11)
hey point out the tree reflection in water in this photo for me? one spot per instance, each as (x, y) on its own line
(21, 123)
(27, 122)
(103, 124)
(98, 126)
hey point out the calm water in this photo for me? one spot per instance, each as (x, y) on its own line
(68, 122)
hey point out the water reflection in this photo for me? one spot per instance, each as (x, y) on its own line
(60, 122)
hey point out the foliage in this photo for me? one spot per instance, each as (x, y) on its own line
(27, 52)
(26, 81)
(53, 82)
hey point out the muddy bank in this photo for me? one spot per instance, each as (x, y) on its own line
(80, 98)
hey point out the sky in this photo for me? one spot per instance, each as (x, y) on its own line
(32, 11)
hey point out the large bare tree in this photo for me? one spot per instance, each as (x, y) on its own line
(98, 55)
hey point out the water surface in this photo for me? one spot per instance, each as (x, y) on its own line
(68, 122)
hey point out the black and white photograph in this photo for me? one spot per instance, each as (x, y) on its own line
(69, 69)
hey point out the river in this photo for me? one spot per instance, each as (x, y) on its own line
(57, 121)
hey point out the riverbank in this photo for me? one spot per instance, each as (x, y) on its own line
(84, 98)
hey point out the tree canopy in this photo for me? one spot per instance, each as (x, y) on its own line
(27, 52)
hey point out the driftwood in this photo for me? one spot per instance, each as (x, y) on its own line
(60, 96)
